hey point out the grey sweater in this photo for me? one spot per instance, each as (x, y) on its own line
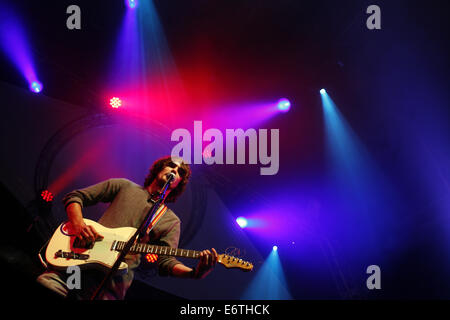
(128, 208)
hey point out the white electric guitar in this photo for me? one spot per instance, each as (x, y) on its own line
(64, 249)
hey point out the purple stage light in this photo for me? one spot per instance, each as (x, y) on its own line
(15, 45)
(284, 105)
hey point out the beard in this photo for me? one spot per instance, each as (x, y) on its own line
(161, 182)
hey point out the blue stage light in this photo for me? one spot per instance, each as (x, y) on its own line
(242, 222)
(274, 248)
(131, 3)
(269, 282)
(323, 91)
(284, 105)
(36, 86)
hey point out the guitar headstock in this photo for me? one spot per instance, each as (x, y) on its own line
(233, 262)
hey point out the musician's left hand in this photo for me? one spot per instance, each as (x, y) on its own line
(207, 262)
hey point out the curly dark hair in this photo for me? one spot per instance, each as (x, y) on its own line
(156, 168)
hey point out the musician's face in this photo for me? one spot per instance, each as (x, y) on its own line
(174, 167)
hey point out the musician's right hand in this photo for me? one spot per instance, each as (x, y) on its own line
(85, 232)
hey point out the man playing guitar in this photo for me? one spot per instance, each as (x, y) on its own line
(128, 207)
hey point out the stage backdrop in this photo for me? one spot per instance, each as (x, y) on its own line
(116, 150)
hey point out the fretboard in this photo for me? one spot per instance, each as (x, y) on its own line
(159, 250)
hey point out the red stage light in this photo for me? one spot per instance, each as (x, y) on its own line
(151, 257)
(47, 196)
(115, 102)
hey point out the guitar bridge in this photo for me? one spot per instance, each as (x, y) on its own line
(71, 255)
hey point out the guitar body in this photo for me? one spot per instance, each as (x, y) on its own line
(63, 248)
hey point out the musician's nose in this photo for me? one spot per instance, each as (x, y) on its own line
(175, 171)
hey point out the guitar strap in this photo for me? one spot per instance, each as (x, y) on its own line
(158, 214)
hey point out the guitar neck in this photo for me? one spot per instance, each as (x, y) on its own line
(159, 250)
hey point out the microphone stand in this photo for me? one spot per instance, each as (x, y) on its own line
(140, 232)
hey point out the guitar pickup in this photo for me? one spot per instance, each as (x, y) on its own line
(83, 244)
(71, 255)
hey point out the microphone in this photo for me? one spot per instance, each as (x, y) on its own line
(170, 177)
(162, 194)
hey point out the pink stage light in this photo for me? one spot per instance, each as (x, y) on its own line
(115, 102)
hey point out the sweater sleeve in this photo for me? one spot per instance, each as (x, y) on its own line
(170, 239)
(104, 191)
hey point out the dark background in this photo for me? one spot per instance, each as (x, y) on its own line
(391, 86)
